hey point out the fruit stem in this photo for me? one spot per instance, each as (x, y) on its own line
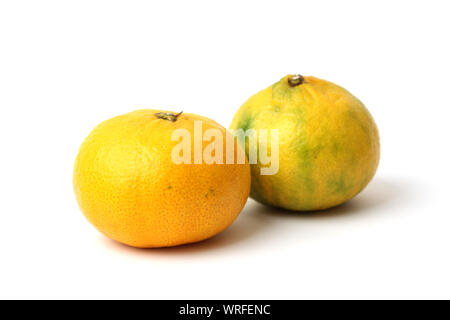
(295, 80)
(168, 116)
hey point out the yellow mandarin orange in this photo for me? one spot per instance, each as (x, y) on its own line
(130, 189)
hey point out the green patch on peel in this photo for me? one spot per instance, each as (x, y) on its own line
(306, 156)
(339, 186)
(354, 116)
(255, 186)
(245, 122)
(335, 148)
(281, 90)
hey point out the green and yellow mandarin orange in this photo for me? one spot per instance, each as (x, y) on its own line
(329, 146)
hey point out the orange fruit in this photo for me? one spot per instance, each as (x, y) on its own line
(130, 189)
(329, 146)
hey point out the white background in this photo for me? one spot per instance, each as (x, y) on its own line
(65, 66)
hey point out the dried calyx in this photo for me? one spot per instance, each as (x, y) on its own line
(168, 116)
(296, 80)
